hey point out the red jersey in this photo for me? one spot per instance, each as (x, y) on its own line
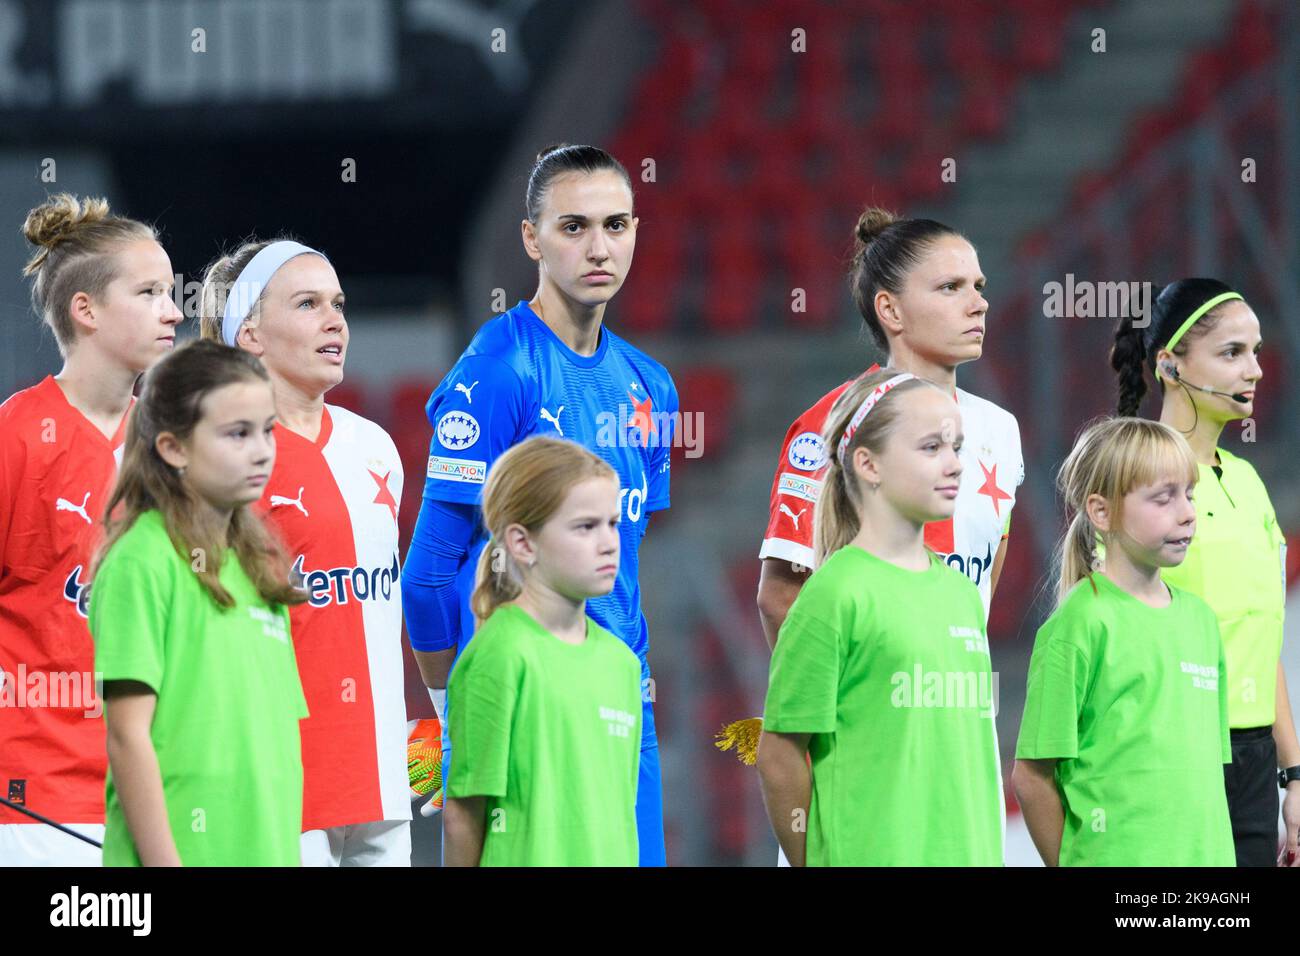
(56, 473)
(334, 503)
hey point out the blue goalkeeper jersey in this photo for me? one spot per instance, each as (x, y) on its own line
(517, 379)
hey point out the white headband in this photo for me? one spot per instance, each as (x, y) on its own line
(247, 287)
(867, 405)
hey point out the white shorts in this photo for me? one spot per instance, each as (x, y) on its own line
(35, 844)
(780, 857)
(382, 843)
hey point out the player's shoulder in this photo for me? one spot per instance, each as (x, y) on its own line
(813, 418)
(650, 368)
(989, 413)
(361, 429)
(25, 406)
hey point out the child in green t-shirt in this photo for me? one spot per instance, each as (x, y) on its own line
(881, 671)
(1125, 730)
(547, 704)
(188, 612)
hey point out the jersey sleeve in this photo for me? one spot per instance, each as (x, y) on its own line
(1020, 470)
(1058, 678)
(803, 684)
(657, 498)
(477, 412)
(795, 488)
(485, 694)
(129, 597)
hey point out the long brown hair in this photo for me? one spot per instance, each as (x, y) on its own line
(1111, 457)
(837, 516)
(77, 240)
(172, 401)
(525, 486)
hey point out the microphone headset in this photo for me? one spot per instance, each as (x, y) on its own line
(1170, 369)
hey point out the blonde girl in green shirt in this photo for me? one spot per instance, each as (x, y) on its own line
(188, 613)
(1125, 729)
(547, 703)
(1202, 344)
(881, 677)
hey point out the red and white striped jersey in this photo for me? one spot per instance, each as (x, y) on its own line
(56, 473)
(334, 503)
(992, 470)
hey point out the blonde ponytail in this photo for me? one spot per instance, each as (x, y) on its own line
(496, 581)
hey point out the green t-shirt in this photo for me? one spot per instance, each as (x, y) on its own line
(550, 734)
(225, 727)
(1236, 563)
(888, 670)
(1128, 699)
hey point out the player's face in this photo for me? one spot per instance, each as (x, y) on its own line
(1225, 359)
(919, 468)
(229, 455)
(1157, 523)
(302, 333)
(578, 547)
(942, 304)
(585, 236)
(136, 313)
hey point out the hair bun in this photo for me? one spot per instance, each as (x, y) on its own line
(872, 223)
(60, 216)
(547, 150)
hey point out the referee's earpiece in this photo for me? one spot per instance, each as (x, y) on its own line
(1170, 369)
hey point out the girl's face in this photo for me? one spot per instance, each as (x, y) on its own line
(229, 455)
(301, 334)
(577, 549)
(1155, 526)
(1225, 359)
(135, 319)
(942, 305)
(918, 471)
(584, 236)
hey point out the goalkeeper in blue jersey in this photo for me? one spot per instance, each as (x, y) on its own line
(549, 367)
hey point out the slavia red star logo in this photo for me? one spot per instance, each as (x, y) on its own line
(385, 497)
(641, 418)
(990, 487)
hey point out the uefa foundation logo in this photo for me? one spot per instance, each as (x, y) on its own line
(71, 690)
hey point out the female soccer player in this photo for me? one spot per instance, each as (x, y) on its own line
(1205, 339)
(1125, 731)
(188, 611)
(918, 285)
(549, 366)
(882, 669)
(333, 499)
(102, 283)
(547, 732)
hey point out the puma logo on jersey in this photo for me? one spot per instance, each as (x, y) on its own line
(554, 419)
(277, 500)
(785, 510)
(460, 387)
(63, 504)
